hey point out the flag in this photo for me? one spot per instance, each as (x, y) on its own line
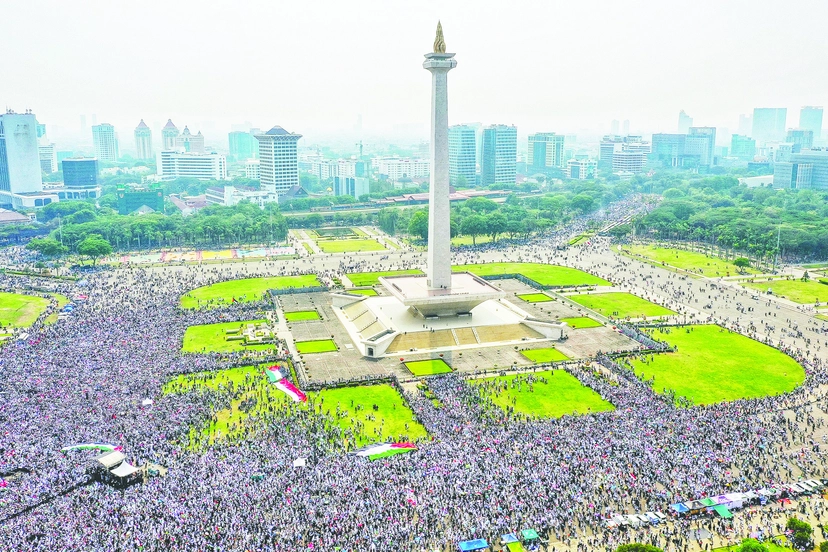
(383, 450)
(291, 390)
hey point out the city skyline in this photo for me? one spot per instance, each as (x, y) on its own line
(217, 88)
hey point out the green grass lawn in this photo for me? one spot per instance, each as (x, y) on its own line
(687, 260)
(19, 310)
(563, 394)
(308, 248)
(212, 338)
(712, 366)
(578, 322)
(620, 305)
(297, 316)
(368, 292)
(543, 274)
(349, 246)
(467, 240)
(795, 290)
(372, 278)
(822, 316)
(62, 301)
(428, 367)
(549, 354)
(244, 290)
(389, 420)
(535, 297)
(770, 546)
(316, 346)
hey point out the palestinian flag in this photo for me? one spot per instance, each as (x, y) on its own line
(273, 374)
(291, 390)
(383, 450)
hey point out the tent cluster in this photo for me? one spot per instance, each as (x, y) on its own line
(528, 539)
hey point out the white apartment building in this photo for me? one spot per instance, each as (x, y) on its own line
(105, 141)
(174, 164)
(251, 169)
(230, 195)
(48, 155)
(278, 160)
(397, 168)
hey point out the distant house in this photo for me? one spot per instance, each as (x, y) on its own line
(189, 205)
(12, 217)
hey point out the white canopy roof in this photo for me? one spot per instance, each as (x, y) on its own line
(124, 470)
(111, 459)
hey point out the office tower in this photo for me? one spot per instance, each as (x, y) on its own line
(355, 186)
(189, 142)
(499, 155)
(581, 169)
(545, 152)
(278, 160)
(243, 145)
(792, 176)
(615, 127)
(143, 141)
(701, 142)
(103, 137)
(625, 128)
(667, 149)
(769, 124)
(685, 121)
(810, 118)
(742, 147)
(80, 172)
(462, 148)
(802, 139)
(19, 156)
(815, 161)
(606, 149)
(41, 130)
(174, 164)
(629, 161)
(168, 135)
(745, 125)
(48, 155)
(251, 169)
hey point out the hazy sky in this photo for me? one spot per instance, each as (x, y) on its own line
(314, 66)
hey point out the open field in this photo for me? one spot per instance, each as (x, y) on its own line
(372, 278)
(428, 367)
(579, 322)
(316, 346)
(794, 290)
(535, 297)
(62, 301)
(714, 365)
(244, 290)
(548, 354)
(687, 260)
(620, 305)
(368, 292)
(543, 274)
(20, 310)
(559, 395)
(349, 246)
(297, 316)
(210, 338)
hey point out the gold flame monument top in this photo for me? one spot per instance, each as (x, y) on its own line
(439, 41)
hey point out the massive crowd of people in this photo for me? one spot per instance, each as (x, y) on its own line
(85, 380)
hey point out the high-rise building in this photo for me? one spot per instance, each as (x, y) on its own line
(20, 170)
(742, 147)
(769, 124)
(278, 160)
(48, 155)
(606, 150)
(810, 118)
(545, 152)
(80, 172)
(251, 169)
(169, 134)
(818, 159)
(745, 124)
(615, 127)
(701, 142)
(355, 186)
(243, 145)
(174, 164)
(625, 127)
(401, 168)
(802, 139)
(581, 169)
(792, 176)
(685, 121)
(629, 161)
(143, 141)
(106, 146)
(667, 149)
(462, 146)
(41, 130)
(499, 155)
(189, 142)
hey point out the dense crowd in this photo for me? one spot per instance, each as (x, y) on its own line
(86, 378)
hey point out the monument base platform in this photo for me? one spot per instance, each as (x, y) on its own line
(466, 292)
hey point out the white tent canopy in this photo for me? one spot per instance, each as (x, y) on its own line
(124, 470)
(111, 459)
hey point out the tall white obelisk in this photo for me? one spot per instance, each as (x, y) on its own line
(438, 271)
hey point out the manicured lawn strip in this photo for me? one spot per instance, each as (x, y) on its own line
(543, 274)
(20, 310)
(563, 394)
(244, 290)
(297, 316)
(713, 365)
(535, 297)
(549, 354)
(428, 367)
(687, 260)
(349, 246)
(822, 316)
(363, 279)
(625, 304)
(211, 338)
(794, 290)
(308, 248)
(316, 346)
(579, 322)
(368, 292)
(392, 414)
(772, 547)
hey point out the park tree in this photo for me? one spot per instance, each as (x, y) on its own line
(496, 224)
(752, 545)
(473, 225)
(802, 534)
(418, 225)
(94, 246)
(48, 247)
(387, 219)
(742, 263)
(823, 546)
(583, 203)
(638, 547)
